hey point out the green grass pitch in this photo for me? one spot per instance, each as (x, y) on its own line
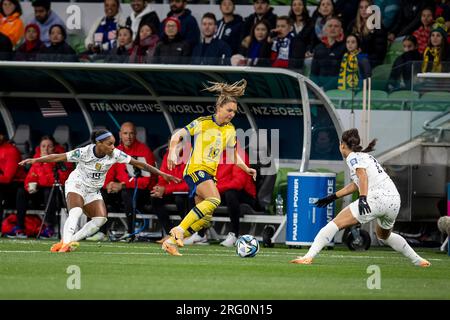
(142, 271)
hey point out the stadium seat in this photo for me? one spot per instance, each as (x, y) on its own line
(394, 50)
(434, 101)
(62, 136)
(379, 99)
(22, 140)
(341, 99)
(403, 99)
(76, 41)
(380, 76)
(159, 154)
(141, 134)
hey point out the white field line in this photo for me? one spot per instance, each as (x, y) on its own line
(205, 254)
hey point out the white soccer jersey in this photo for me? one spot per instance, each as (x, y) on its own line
(375, 172)
(91, 171)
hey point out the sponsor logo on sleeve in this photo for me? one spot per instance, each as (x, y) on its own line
(353, 162)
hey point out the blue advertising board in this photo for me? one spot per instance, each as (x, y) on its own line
(304, 219)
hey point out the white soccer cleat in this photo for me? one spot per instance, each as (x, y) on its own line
(196, 239)
(99, 236)
(230, 241)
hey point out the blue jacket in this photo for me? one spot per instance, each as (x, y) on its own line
(53, 18)
(189, 27)
(217, 52)
(230, 32)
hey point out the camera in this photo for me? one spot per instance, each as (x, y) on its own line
(60, 166)
(137, 172)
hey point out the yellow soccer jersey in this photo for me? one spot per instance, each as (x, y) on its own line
(210, 140)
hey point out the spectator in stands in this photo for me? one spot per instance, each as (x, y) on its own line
(31, 46)
(189, 27)
(142, 12)
(346, 11)
(11, 25)
(44, 17)
(144, 44)
(401, 73)
(122, 178)
(235, 187)
(355, 65)
(288, 51)
(436, 56)
(423, 33)
(103, 34)
(211, 50)
(256, 48)
(59, 50)
(229, 28)
(262, 11)
(328, 55)
(37, 187)
(409, 17)
(121, 52)
(373, 40)
(163, 193)
(6, 48)
(324, 11)
(11, 176)
(302, 23)
(389, 11)
(172, 49)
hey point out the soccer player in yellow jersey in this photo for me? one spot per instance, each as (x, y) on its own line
(212, 135)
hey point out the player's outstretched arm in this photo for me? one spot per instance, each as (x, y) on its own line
(348, 189)
(174, 141)
(241, 164)
(146, 167)
(56, 157)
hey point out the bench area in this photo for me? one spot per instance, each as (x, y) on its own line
(250, 223)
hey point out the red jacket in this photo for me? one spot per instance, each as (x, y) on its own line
(231, 177)
(9, 164)
(42, 173)
(58, 149)
(176, 172)
(118, 172)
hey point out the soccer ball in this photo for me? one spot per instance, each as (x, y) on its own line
(247, 246)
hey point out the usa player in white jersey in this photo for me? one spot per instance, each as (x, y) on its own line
(378, 199)
(83, 186)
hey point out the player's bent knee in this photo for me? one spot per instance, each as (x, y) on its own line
(99, 221)
(214, 200)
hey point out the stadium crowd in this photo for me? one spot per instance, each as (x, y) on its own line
(339, 43)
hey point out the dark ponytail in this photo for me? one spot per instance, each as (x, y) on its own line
(352, 140)
(98, 133)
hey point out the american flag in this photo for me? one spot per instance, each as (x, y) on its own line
(52, 108)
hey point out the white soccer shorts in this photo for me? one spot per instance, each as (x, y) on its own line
(383, 207)
(88, 194)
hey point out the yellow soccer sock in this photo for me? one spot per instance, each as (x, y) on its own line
(202, 223)
(202, 209)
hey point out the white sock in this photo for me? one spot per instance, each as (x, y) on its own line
(71, 224)
(89, 228)
(399, 244)
(324, 237)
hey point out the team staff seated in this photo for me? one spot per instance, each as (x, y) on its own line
(37, 187)
(122, 179)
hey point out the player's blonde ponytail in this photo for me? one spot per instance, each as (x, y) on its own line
(227, 92)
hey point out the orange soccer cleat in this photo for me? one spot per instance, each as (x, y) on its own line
(178, 235)
(69, 247)
(302, 260)
(170, 248)
(56, 246)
